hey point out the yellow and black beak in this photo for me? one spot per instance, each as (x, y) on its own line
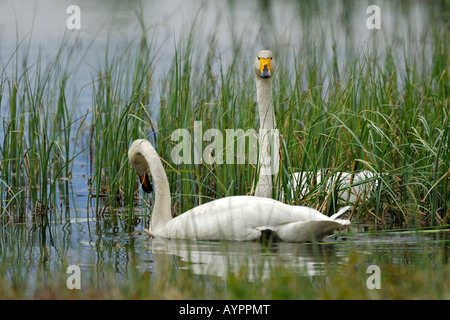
(265, 67)
(145, 182)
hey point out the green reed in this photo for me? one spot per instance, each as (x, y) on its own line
(121, 113)
(36, 149)
(198, 97)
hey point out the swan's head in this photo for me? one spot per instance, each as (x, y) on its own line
(264, 64)
(139, 163)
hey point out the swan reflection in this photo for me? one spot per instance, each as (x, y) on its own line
(257, 259)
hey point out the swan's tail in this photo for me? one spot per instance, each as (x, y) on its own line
(340, 212)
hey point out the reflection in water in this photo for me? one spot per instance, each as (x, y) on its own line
(110, 258)
(257, 259)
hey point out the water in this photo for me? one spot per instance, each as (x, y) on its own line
(109, 257)
(269, 24)
(97, 245)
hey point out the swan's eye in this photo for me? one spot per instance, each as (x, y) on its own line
(258, 58)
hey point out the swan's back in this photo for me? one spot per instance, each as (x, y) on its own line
(244, 218)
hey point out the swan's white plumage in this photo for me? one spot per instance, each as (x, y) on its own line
(268, 158)
(245, 217)
(232, 218)
(362, 184)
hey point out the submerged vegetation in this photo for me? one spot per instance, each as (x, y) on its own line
(383, 107)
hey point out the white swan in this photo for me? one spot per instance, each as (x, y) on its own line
(361, 181)
(269, 144)
(232, 218)
(263, 67)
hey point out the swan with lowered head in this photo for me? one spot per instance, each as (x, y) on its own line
(231, 218)
(263, 67)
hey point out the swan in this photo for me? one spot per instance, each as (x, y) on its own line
(361, 181)
(232, 218)
(263, 67)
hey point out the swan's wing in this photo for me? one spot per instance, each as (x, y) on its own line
(215, 221)
(340, 212)
(231, 218)
(315, 227)
(303, 231)
(241, 218)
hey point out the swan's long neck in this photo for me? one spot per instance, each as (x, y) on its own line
(265, 105)
(162, 207)
(267, 124)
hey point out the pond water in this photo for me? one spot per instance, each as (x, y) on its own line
(107, 259)
(77, 238)
(40, 27)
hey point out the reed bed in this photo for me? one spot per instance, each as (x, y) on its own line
(371, 113)
(376, 111)
(36, 146)
(121, 93)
